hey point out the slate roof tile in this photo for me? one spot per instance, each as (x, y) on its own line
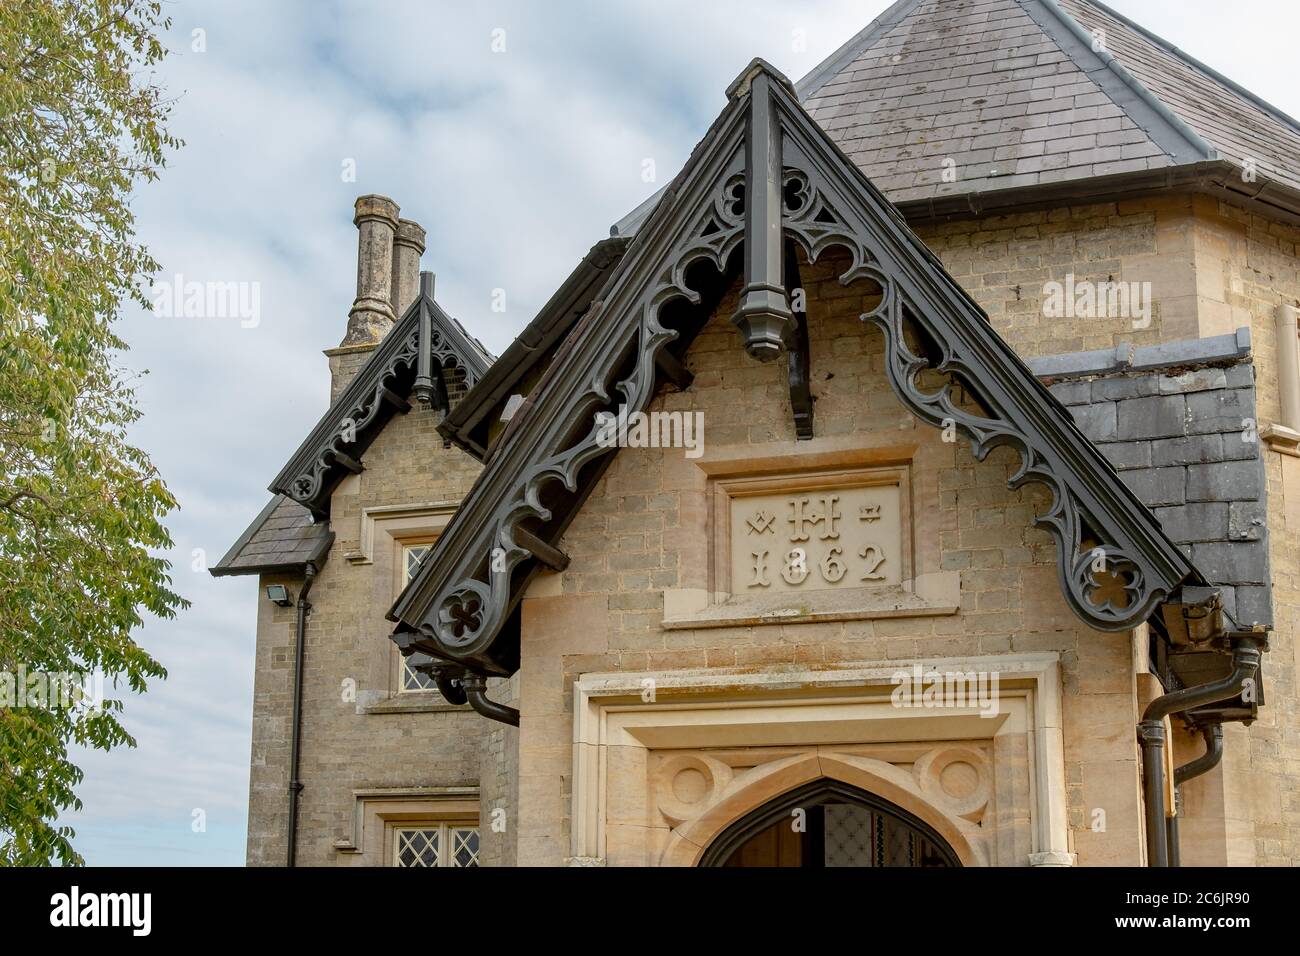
(282, 535)
(1004, 74)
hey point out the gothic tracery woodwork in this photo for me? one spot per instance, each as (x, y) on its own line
(1114, 563)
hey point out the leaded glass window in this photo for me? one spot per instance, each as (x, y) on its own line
(435, 844)
(412, 555)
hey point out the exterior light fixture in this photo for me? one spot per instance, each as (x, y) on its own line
(279, 594)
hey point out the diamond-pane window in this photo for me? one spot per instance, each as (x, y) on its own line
(435, 844)
(464, 844)
(412, 555)
(418, 847)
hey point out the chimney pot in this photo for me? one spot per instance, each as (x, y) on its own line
(372, 311)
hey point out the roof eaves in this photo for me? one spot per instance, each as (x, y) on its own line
(278, 561)
(1216, 177)
(224, 566)
(1166, 130)
(473, 523)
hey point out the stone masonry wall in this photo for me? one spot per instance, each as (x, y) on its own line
(1256, 267)
(347, 743)
(1004, 262)
(1213, 268)
(640, 532)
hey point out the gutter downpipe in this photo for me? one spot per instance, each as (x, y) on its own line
(1213, 734)
(475, 688)
(295, 784)
(1151, 735)
(449, 686)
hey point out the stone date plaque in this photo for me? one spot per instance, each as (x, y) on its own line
(840, 536)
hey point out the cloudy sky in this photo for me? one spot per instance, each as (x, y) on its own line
(514, 160)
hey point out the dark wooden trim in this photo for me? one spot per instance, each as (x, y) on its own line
(674, 371)
(348, 462)
(463, 596)
(379, 390)
(549, 555)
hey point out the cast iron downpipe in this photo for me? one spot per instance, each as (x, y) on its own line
(299, 640)
(475, 687)
(1213, 734)
(1151, 734)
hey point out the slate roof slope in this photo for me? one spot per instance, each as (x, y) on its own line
(1015, 95)
(980, 83)
(1171, 420)
(281, 538)
(1234, 121)
(1019, 92)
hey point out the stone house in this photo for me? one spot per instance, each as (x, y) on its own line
(913, 481)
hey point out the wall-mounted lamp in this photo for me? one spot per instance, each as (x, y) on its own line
(279, 594)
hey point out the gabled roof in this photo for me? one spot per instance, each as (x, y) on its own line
(956, 107)
(412, 357)
(763, 173)
(281, 539)
(470, 422)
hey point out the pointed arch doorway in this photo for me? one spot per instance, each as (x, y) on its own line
(828, 823)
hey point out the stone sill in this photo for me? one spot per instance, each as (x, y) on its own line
(793, 608)
(412, 702)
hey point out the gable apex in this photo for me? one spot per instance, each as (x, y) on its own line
(411, 360)
(765, 175)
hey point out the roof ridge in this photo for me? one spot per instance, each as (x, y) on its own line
(854, 47)
(1205, 68)
(1117, 82)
